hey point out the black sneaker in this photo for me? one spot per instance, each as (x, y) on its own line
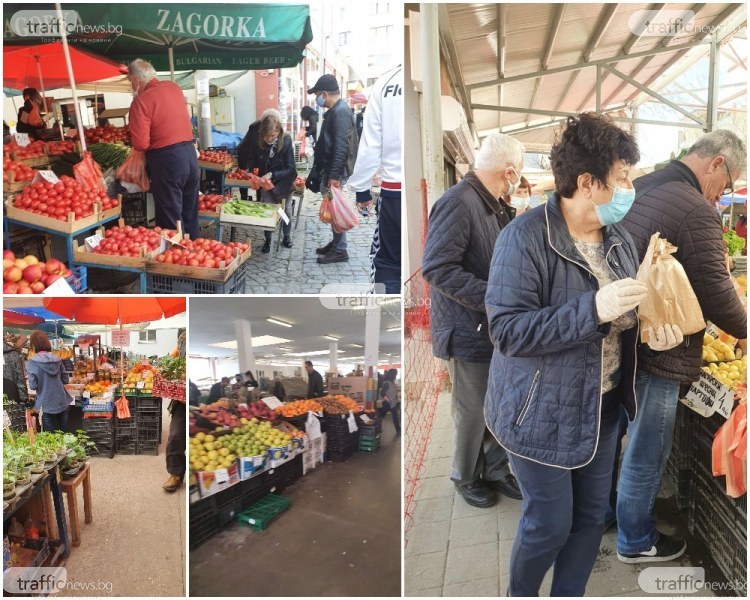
(266, 248)
(666, 548)
(476, 493)
(508, 486)
(333, 257)
(287, 243)
(325, 249)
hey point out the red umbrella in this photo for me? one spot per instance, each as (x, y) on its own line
(113, 310)
(43, 66)
(359, 98)
(14, 319)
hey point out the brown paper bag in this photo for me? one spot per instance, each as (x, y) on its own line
(670, 299)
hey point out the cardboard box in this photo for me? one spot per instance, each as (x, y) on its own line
(278, 456)
(257, 221)
(308, 461)
(250, 466)
(211, 483)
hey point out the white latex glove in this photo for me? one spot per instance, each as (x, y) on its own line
(665, 337)
(619, 297)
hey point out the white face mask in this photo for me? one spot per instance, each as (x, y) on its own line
(519, 202)
(514, 186)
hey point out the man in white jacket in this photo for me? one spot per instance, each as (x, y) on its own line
(380, 148)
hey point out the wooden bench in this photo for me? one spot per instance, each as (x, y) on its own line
(70, 488)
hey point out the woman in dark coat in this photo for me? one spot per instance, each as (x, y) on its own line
(308, 114)
(268, 149)
(561, 299)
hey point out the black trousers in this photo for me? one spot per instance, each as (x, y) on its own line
(385, 252)
(177, 440)
(175, 180)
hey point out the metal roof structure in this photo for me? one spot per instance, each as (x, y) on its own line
(521, 68)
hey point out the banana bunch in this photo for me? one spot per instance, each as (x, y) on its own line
(715, 350)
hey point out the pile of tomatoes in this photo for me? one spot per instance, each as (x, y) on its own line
(20, 171)
(214, 156)
(202, 253)
(56, 200)
(33, 150)
(255, 181)
(108, 134)
(210, 202)
(56, 148)
(127, 240)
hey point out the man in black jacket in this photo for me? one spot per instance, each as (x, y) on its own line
(314, 381)
(335, 154)
(217, 390)
(464, 225)
(679, 203)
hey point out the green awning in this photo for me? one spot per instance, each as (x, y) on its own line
(203, 36)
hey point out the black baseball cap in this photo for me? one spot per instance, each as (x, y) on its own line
(326, 83)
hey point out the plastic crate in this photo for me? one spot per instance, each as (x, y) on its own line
(78, 280)
(126, 447)
(148, 403)
(260, 514)
(99, 426)
(253, 489)
(228, 505)
(339, 456)
(371, 430)
(35, 549)
(134, 209)
(31, 242)
(148, 439)
(203, 521)
(369, 444)
(163, 284)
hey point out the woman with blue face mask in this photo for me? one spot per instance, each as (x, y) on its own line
(561, 300)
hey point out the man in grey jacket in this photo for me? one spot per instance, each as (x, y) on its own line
(463, 227)
(679, 203)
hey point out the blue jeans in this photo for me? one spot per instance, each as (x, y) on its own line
(394, 410)
(55, 422)
(562, 520)
(649, 443)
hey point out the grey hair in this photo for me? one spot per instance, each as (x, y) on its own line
(141, 70)
(497, 150)
(722, 142)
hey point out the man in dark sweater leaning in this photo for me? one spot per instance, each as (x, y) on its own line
(314, 381)
(463, 227)
(679, 203)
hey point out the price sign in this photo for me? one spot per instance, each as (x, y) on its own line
(713, 331)
(87, 394)
(45, 176)
(708, 396)
(140, 384)
(22, 139)
(272, 402)
(90, 376)
(121, 337)
(283, 215)
(93, 241)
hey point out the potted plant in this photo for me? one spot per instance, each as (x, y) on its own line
(9, 483)
(37, 466)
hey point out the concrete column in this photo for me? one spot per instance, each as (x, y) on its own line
(245, 355)
(372, 337)
(713, 85)
(204, 108)
(334, 353)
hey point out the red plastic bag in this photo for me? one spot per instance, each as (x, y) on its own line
(89, 174)
(133, 170)
(326, 212)
(343, 215)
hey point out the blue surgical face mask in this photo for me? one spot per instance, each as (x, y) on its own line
(320, 101)
(615, 210)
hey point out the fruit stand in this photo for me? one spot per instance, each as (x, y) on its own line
(243, 456)
(707, 465)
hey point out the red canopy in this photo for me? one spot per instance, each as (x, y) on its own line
(12, 318)
(108, 310)
(20, 68)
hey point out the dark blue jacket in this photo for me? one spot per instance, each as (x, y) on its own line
(544, 393)
(464, 225)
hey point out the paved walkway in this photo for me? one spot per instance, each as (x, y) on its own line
(135, 545)
(454, 549)
(296, 270)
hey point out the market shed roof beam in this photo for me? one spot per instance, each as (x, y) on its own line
(557, 19)
(454, 65)
(502, 21)
(632, 41)
(653, 94)
(557, 113)
(581, 65)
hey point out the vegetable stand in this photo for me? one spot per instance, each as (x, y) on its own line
(254, 215)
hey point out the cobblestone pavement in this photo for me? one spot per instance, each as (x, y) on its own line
(296, 270)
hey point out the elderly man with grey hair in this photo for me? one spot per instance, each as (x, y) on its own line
(160, 126)
(679, 202)
(463, 227)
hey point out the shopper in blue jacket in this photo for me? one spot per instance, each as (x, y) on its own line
(47, 377)
(560, 304)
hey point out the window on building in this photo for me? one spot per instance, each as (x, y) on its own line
(147, 336)
(380, 35)
(344, 38)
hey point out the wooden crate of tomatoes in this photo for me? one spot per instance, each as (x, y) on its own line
(201, 258)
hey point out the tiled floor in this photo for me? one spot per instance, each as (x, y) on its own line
(454, 549)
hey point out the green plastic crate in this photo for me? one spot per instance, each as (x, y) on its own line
(369, 444)
(260, 514)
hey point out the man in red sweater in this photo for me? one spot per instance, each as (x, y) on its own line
(160, 127)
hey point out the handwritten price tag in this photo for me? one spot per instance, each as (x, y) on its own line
(93, 241)
(283, 215)
(22, 139)
(46, 176)
(708, 396)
